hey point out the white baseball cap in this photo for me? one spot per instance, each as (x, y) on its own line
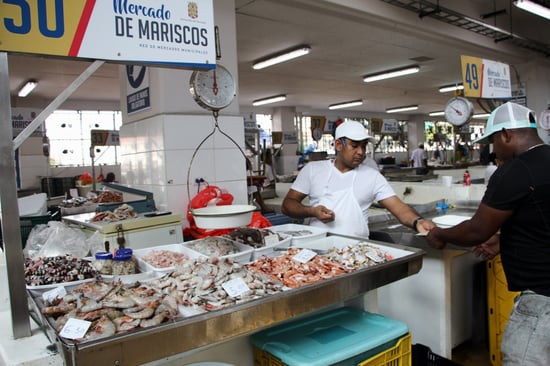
(510, 116)
(354, 131)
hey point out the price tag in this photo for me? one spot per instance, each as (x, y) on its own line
(235, 287)
(50, 296)
(75, 328)
(304, 256)
(271, 239)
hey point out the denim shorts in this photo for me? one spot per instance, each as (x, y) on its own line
(526, 338)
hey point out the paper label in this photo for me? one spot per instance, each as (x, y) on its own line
(304, 255)
(235, 287)
(75, 328)
(271, 239)
(50, 296)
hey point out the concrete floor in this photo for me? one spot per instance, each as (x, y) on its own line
(472, 354)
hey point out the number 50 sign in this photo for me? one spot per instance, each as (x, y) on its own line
(485, 78)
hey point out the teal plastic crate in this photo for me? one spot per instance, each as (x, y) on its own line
(342, 337)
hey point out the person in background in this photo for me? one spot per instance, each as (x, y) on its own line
(254, 190)
(419, 160)
(110, 178)
(342, 190)
(491, 167)
(269, 182)
(513, 218)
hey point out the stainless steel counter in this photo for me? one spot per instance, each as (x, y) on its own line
(186, 334)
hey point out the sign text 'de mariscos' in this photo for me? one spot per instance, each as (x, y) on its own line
(169, 32)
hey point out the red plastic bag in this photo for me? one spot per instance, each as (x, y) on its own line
(213, 195)
(209, 196)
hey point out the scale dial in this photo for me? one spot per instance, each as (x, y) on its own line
(459, 110)
(212, 89)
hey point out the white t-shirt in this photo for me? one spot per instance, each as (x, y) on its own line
(418, 156)
(318, 176)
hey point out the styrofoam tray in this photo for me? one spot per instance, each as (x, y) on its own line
(131, 278)
(297, 240)
(341, 242)
(449, 220)
(243, 256)
(178, 248)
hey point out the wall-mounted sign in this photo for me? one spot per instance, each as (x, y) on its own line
(376, 125)
(166, 33)
(104, 138)
(390, 127)
(290, 137)
(21, 118)
(137, 88)
(485, 78)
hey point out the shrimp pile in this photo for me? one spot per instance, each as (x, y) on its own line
(359, 255)
(293, 273)
(198, 284)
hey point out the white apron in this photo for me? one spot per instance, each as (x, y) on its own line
(349, 219)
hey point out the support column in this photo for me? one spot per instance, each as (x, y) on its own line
(158, 143)
(283, 120)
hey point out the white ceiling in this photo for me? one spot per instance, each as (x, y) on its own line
(346, 44)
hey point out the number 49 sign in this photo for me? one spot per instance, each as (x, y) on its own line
(485, 78)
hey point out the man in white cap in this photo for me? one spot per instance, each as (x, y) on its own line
(514, 217)
(342, 190)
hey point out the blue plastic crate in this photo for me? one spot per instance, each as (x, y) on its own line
(343, 337)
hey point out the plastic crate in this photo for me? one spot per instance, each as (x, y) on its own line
(398, 355)
(342, 337)
(423, 356)
(500, 302)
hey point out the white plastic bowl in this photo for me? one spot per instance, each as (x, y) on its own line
(223, 217)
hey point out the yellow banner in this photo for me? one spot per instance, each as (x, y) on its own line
(472, 75)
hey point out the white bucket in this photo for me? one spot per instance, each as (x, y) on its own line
(447, 180)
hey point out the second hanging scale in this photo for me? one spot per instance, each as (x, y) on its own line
(214, 90)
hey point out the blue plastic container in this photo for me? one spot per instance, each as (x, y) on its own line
(343, 337)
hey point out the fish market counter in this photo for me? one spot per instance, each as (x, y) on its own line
(185, 334)
(444, 303)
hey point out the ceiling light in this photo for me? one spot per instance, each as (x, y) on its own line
(273, 99)
(352, 103)
(533, 7)
(281, 57)
(402, 109)
(436, 113)
(27, 88)
(450, 88)
(391, 73)
(481, 115)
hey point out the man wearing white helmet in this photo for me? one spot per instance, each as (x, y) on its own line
(342, 190)
(514, 218)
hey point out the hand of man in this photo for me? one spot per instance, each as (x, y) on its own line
(425, 225)
(489, 249)
(323, 214)
(433, 239)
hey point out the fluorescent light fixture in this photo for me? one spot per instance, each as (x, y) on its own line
(352, 103)
(450, 88)
(533, 7)
(391, 73)
(436, 113)
(281, 57)
(273, 99)
(27, 88)
(402, 109)
(481, 115)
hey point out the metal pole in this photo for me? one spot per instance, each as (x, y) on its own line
(56, 103)
(11, 230)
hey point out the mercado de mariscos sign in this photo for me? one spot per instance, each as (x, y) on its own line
(164, 33)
